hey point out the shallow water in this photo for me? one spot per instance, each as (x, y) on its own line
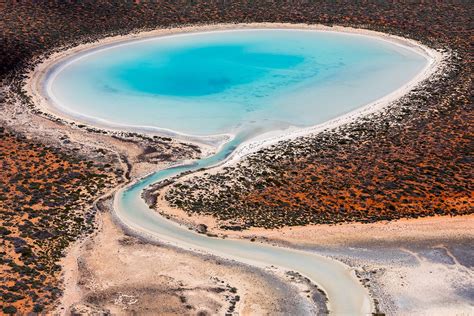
(228, 81)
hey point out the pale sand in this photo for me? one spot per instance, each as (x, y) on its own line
(412, 266)
(118, 273)
(35, 85)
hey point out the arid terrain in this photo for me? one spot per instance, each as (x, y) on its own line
(46, 202)
(119, 273)
(63, 251)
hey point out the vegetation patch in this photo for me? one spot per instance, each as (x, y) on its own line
(46, 202)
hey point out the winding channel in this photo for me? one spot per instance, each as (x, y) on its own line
(345, 294)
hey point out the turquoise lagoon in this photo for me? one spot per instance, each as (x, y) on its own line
(228, 81)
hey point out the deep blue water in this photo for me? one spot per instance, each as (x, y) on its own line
(201, 71)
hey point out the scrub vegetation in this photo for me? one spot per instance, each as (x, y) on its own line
(46, 202)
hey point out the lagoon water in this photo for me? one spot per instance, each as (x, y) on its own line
(226, 81)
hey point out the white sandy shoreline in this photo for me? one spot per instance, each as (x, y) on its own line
(36, 85)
